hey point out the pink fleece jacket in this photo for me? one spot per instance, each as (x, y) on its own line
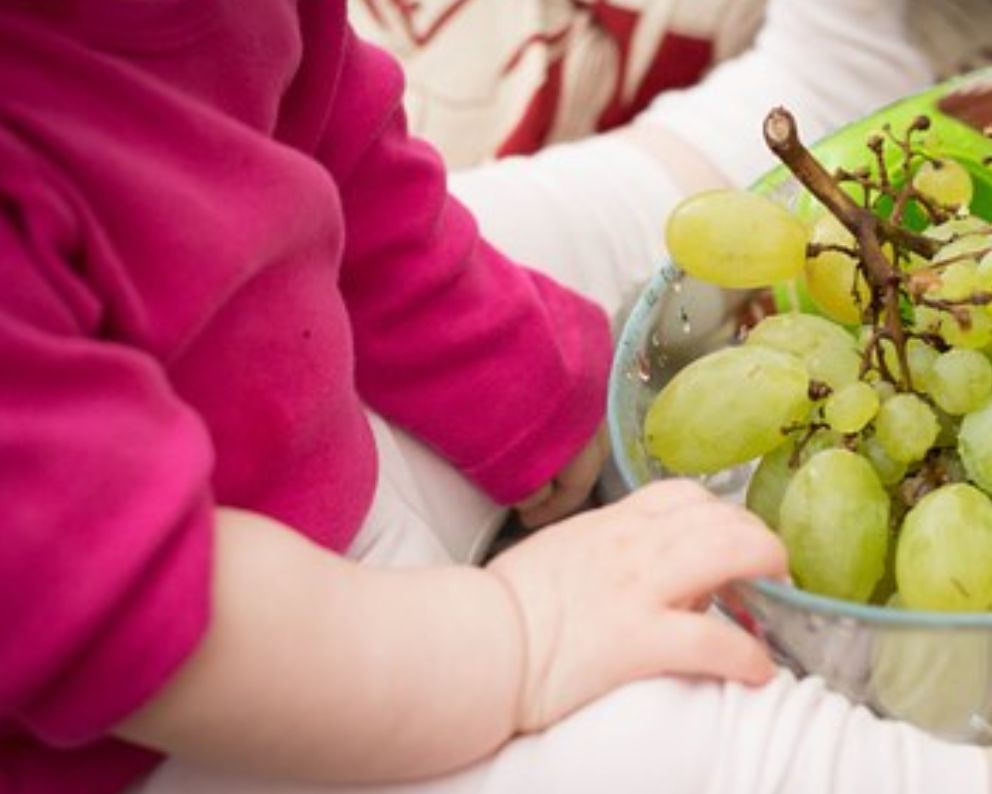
(216, 243)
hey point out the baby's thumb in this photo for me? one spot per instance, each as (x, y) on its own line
(707, 645)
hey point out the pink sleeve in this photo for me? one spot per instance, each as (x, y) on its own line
(105, 549)
(497, 367)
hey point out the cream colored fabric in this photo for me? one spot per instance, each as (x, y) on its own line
(474, 66)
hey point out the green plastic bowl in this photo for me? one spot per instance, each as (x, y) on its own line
(933, 669)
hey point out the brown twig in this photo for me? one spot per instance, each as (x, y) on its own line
(782, 137)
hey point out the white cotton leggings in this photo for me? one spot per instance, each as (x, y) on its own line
(663, 736)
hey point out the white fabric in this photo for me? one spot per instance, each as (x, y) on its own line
(424, 511)
(589, 214)
(482, 74)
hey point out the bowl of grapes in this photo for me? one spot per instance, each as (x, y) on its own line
(819, 348)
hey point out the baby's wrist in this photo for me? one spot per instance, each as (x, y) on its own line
(519, 630)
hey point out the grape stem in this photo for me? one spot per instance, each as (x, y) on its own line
(873, 348)
(808, 430)
(782, 136)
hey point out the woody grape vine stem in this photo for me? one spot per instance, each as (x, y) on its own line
(870, 231)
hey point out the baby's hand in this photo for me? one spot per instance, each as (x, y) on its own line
(570, 488)
(617, 594)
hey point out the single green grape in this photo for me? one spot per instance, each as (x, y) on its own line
(884, 389)
(889, 471)
(828, 351)
(906, 427)
(713, 236)
(833, 280)
(983, 274)
(975, 446)
(851, 407)
(834, 521)
(774, 472)
(960, 381)
(944, 556)
(973, 334)
(726, 408)
(890, 357)
(920, 356)
(959, 280)
(961, 276)
(946, 182)
(957, 227)
(768, 483)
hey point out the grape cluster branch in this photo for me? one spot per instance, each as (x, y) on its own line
(781, 135)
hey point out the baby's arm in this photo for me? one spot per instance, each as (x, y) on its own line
(315, 668)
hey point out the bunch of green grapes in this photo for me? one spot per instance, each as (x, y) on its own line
(872, 441)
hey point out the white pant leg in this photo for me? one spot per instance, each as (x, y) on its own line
(668, 736)
(424, 512)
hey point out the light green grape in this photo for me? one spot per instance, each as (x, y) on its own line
(974, 334)
(834, 521)
(960, 381)
(944, 556)
(884, 390)
(957, 281)
(906, 427)
(889, 471)
(890, 356)
(957, 227)
(967, 250)
(736, 239)
(828, 351)
(832, 277)
(983, 274)
(768, 484)
(726, 408)
(920, 357)
(851, 407)
(944, 181)
(975, 446)
(773, 474)
(912, 262)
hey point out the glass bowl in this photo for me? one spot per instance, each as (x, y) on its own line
(933, 669)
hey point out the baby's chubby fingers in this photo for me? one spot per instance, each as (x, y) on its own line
(707, 645)
(717, 543)
(661, 497)
(570, 488)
